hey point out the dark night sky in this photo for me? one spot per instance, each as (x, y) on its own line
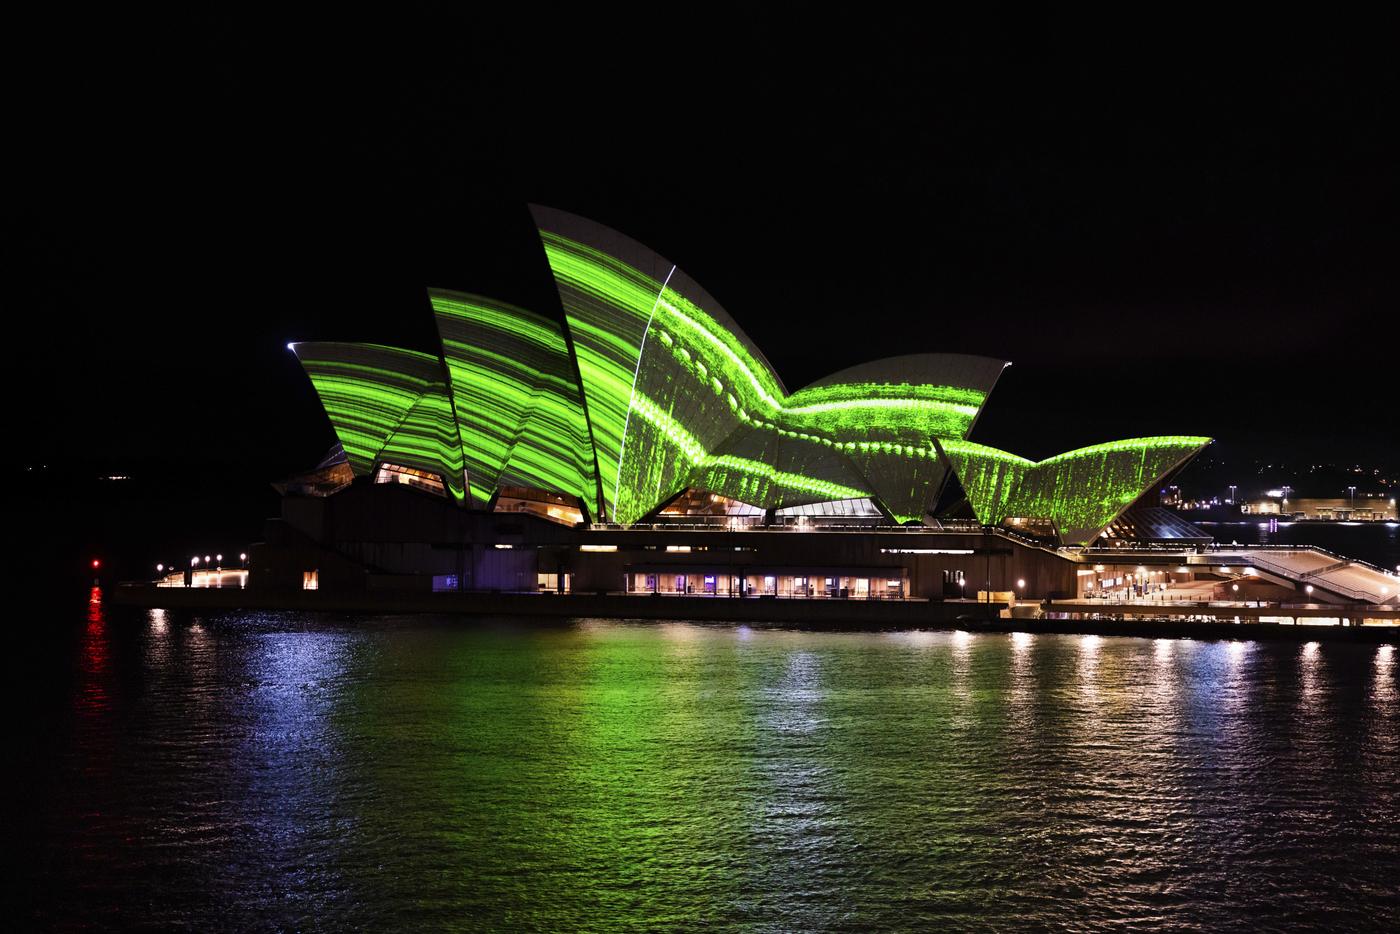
(1198, 237)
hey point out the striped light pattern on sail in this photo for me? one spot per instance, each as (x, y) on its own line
(646, 387)
(678, 396)
(387, 404)
(519, 412)
(1081, 491)
(427, 439)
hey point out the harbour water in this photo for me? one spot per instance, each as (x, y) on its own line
(284, 771)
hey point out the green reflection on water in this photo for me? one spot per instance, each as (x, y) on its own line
(672, 776)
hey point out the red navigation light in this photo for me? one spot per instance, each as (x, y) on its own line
(96, 563)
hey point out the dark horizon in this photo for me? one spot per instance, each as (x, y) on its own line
(1206, 250)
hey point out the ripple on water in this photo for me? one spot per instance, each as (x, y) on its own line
(285, 770)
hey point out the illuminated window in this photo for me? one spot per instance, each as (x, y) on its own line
(418, 479)
(552, 506)
(550, 582)
(310, 580)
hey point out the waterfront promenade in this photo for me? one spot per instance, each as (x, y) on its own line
(1175, 620)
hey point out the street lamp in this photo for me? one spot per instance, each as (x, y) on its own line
(1232, 494)
(1351, 491)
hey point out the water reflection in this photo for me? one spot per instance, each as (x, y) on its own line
(1385, 692)
(962, 642)
(278, 772)
(94, 687)
(1309, 671)
(1089, 647)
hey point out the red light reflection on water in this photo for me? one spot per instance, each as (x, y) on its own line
(92, 696)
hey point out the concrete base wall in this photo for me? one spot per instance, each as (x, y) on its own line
(804, 614)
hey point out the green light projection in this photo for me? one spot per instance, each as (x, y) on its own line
(988, 476)
(1082, 491)
(427, 439)
(648, 387)
(607, 304)
(679, 397)
(518, 406)
(367, 390)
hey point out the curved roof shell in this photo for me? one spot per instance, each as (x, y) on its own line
(646, 387)
(1082, 491)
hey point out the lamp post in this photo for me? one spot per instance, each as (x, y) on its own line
(1351, 492)
(1232, 494)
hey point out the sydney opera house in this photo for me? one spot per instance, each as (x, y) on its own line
(635, 440)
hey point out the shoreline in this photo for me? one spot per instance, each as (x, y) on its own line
(815, 615)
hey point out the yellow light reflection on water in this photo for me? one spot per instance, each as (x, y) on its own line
(1385, 674)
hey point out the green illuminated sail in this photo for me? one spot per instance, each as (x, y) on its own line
(646, 387)
(518, 408)
(678, 396)
(427, 439)
(367, 390)
(989, 477)
(1081, 491)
